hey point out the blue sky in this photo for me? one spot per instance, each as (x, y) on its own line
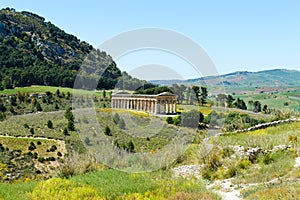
(237, 35)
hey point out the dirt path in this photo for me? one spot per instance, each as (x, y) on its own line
(226, 189)
(27, 137)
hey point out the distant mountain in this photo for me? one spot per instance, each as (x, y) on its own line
(267, 78)
(33, 51)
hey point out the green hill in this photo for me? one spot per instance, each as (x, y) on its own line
(35, 52)
(245, 79)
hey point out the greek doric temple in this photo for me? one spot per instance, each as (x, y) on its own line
(163, 103)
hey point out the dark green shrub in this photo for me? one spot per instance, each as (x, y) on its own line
(32, 147)
(71, 126)
(26, 126)
(35, 155)
(107, 131)
(50, 124)
(53, 148)
(169, 120)
(41, 159)
(66, 132)
(31, 131)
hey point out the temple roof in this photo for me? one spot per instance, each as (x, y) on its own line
(166, 94)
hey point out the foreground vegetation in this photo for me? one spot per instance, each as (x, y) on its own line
(110, 184)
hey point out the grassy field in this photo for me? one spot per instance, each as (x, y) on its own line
(110, 184)
(44, 145)
(16, 126)
(203, 109)
(43, 89)
(266, 138)
(149, 133)
(276, 100)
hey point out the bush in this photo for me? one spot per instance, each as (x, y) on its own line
(244, 164)
(169, 120)
(293, 139)
(177, 120)
(41, 159)
(26, 126)
(66, 132)
(31, 131)
(39, 143)
(107, 131)
(71, 126)
(76, 164)
(59, 154)
(53, 148)
(35, 155)
(32, 147)
(227, 152)
(58, 188)
(50, 159)
(50, 124)
(267, 159)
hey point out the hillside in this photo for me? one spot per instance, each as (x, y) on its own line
(267, 78)
(35, 52)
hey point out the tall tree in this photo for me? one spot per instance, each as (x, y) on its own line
(239, 103)
(229, 101)
(203, 96)
(257, 106)
(196, 90)
(265, 109)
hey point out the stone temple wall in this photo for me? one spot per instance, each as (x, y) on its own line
(163, 103)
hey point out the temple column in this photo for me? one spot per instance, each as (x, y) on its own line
(148, 105)
(126, 104)
(152, 106)
(163, 106)
(174, 107)
(138, 104)
(167, 107)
